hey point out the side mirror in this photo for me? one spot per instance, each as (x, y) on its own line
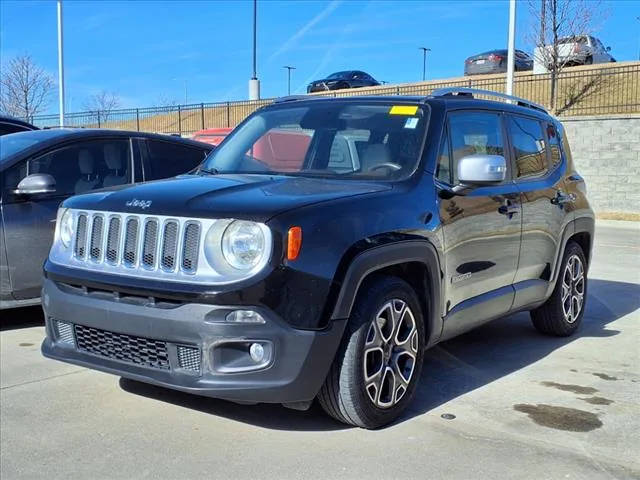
(608, 49)
(36, 183)
(482, 169)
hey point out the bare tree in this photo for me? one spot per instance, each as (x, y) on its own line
(102, 104)
(25, 88)
(557, 19)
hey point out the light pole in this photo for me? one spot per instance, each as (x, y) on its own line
(185, 89)
(511, 46)
(424, 61)
(289, 68)
(60, 67)
(638, 18)
(254, 83)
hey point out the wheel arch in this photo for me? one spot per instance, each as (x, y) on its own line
(414, 261)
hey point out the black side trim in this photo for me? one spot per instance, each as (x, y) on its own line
(387, 255)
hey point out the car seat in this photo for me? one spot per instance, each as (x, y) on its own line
(88, 180)
(113, 159)
(375, 154)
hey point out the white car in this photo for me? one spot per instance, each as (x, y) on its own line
(579, 50)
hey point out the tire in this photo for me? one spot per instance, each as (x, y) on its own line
(345, 396)
(558, 316)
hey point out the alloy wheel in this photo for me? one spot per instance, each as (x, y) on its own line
(390, 352)
(573, 283)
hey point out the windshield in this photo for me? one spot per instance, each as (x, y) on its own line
(333, 139)
(339, 75)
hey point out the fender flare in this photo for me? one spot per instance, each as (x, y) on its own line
(377, 258)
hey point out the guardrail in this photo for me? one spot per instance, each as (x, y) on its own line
(605, 89)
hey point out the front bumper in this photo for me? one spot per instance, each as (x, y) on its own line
(299, 359)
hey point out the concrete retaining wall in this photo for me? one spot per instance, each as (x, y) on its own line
(606, 152)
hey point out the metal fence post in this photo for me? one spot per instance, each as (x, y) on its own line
(179, 120)
(228, 114)
(202, 114)
(98, 118)
(138, 118)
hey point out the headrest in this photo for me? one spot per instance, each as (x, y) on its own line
(85, 162)
(375, 154)
(112, 157)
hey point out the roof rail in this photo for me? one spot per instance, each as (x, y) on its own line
(291, 98)
(450, 91)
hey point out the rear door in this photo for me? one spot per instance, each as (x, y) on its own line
(481, 229)
(29, 221)
(538, 170)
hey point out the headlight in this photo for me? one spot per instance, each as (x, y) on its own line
(243, 244)
(237, 248)
(66, 228)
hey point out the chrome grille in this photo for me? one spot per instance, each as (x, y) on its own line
(150, 244)
(113, 240)
(169, 245)
(97, 227)
(131, 242)
(81, 236)
(191, 247)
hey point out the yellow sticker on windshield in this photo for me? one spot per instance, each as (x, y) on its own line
(403, 110)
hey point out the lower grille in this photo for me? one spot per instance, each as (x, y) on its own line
(126, 348)
(189, 358)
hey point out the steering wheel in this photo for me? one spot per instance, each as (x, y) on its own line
(390, 165)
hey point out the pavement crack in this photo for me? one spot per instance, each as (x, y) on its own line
(41, 379)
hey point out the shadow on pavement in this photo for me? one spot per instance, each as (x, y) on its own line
(451, 369)
(22, 317)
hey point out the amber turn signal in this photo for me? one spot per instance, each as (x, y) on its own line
(294, 243)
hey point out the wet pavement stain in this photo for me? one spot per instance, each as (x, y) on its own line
(573, 370)
(597, 400)
(604, 376)
(571, 388)
(560, 418)
(25, 344)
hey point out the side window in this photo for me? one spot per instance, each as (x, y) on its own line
(80, 167)
(166, 159)
(6, 128)
(443, 169)
(529, 147)
(554, 145)
(474, 133)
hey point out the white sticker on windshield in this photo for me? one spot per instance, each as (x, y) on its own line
(411, 123)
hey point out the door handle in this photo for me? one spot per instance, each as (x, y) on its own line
(508, 208)
(562, 198)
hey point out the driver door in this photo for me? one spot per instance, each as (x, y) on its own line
(482, 229)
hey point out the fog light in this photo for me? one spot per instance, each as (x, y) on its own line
(244, 316)
(257, 352)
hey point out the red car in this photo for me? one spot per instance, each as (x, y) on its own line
(212, 136)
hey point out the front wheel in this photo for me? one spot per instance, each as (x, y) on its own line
(378, 365)
(562, 313)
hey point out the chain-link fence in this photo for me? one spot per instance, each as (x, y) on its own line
(605, 89)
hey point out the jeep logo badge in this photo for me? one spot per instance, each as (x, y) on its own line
(143, 204)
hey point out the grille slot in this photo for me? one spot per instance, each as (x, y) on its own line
(65, 332)
(97, 229)
(190, 247)
(113, 240)
(150, 244)
(189, 358)
(81, 236)
(169, 245)
(126, 348)
(131, 242)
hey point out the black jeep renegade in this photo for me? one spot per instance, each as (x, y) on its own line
(322, 248)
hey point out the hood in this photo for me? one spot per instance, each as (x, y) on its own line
(251, 197)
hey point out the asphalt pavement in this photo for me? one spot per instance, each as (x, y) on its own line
(499, 402)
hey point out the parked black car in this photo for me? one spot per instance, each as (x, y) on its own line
(39, 169)
(14, 125)
(495, 61)
(340, 80)
(404, 221)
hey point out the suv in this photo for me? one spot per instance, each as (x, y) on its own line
(253, 283)
(580, 50)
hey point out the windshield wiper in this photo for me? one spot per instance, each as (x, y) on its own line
(210, 171)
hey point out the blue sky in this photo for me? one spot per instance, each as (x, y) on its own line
(145, 50)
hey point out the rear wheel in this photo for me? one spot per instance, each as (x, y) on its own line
(562, 313)
(378, 365)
